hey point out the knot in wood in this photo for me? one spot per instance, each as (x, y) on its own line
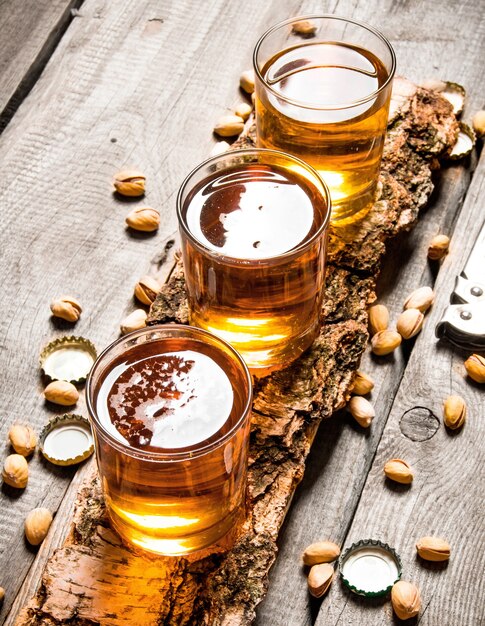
(419, 424)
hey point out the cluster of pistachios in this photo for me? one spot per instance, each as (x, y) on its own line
(60, 391)
(385, 340)
(145, 292)
(131, 183)
(15, 473)
(405, 596)
(319, 557)
(232, 124)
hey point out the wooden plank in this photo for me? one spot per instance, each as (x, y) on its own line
(446, 497)
(325, 501)
(129, 84)
(76, 191)
(30, 32)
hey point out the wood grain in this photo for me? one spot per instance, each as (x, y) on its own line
(145, 76)
(30, 32)
(446, 497)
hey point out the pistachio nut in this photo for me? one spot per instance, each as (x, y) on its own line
(378, 318)
(246, 81)
(143, 218)
(398, 471)
(67, 308)
(362, 384)
(23, 439)
(219, 148)
(438, 247)
(306, 28)
(320, 578)
(129, 183)
(421, 298)
(61, 392)
(243, 110)
(454, 412)
(405, 599)
(362, 411)
(229, 125)
(134, 321)
(37, 524)
(15, 471)
(320, 552)
(479, 123)
(433, 549)
(409, 323)
(475, 368)
(146, 289)
(385, 342)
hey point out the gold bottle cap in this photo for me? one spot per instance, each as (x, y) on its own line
(464, 144)
(68, 358)
(370, 568)
(66, 439)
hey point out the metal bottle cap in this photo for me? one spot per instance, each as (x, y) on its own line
(66, 439)
(370, 568)
(68, 358)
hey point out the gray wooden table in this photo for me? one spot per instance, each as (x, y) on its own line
(88, 88)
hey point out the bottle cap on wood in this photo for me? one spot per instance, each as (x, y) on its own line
(68, 358)
(370, 568)
(66, 439)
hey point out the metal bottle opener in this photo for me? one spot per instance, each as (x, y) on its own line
(464, 323)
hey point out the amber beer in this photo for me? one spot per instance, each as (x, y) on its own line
(253, 227)
(170, 410)
(325, 98)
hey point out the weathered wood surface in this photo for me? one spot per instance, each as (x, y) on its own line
(431, 39)
(30, 31)
(446, 497)
(288, 407)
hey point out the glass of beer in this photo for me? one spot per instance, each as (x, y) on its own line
(323, 87)
(170, 408)
(253, 225)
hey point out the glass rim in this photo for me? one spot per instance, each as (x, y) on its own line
(263, 260)
(327, 16)
(184, 454)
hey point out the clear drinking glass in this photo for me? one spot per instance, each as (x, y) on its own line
(253, 225)
(170, 408)
(322, 94)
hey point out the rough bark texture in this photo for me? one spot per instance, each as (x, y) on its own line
(93, 579)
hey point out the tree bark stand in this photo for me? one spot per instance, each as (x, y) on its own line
(94, 579)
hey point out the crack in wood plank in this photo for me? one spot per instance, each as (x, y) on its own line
(17, 81)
